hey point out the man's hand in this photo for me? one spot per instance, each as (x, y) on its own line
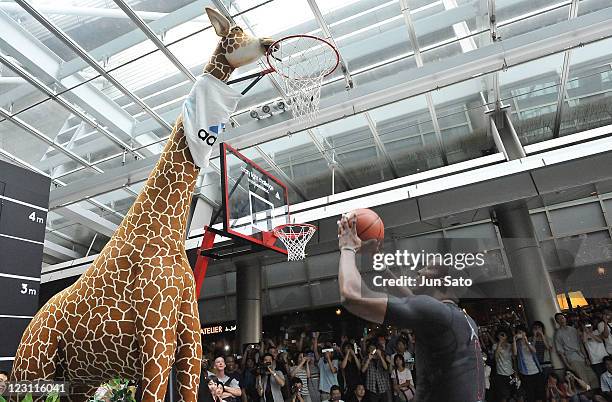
(347, 233)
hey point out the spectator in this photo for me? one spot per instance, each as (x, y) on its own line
(606, 382)
(231, 368)
(567, 343)
(377, 378)
(269, 384)
(487, 375)
(280, 364)
(595, 347)
(296, 390)
(302, 372)
(350, 368)
(313, 385)
(528, 366)
(328, 369)
(402, 380)
(605, 329)
(400, 347)
(359, 395)
(248, 381)
(573, 388)
(215, 388)
(3, 379)
(335, 395)
(504, 381)
(553, 393)
(542, 345)
(232, 391)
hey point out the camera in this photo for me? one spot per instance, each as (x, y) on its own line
(261, 369)
(205, 365)
(330, 350)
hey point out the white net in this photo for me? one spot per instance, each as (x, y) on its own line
(295, 237)
(302, 62)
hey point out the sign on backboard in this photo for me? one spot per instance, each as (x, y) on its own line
(255, 202)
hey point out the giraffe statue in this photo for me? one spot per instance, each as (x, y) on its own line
(133, 313)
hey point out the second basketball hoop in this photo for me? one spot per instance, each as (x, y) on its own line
(302, 62)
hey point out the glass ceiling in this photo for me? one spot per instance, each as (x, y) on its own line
(85, 126)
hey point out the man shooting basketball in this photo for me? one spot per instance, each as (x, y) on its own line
(448, 356)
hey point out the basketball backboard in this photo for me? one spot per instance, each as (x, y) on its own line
(255, 201)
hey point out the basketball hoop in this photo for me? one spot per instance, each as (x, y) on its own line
(295, 236)
(303, 61)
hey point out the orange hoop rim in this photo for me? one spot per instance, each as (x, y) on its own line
(272, 46)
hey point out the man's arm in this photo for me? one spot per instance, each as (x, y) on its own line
(233, 389)
(280, 378)
(332, 367)
(374, 306)
(365, 365)
(382, 359)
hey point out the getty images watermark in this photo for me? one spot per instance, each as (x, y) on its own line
(453, 262)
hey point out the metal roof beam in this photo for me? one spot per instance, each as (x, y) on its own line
(88, 218)
(380, 145)
(314, 7)
(140, 23)
(33, 131)
(573, 12)
(497, 56)
(36, 60)
(60, 252)
(76, 48)
(419, 62)
(280, 172)
(65, 104)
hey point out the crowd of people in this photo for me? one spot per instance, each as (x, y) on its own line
(380, 367)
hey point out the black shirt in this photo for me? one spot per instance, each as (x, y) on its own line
(448, 357)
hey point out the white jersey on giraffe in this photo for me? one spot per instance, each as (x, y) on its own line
(205, 112)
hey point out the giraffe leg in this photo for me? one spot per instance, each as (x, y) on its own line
(189, 349)
(156, 297)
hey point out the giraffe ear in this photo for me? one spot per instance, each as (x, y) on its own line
(218, 21)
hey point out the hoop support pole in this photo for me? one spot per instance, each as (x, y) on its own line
(202, 261)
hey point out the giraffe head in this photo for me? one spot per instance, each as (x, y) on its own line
(236, 48)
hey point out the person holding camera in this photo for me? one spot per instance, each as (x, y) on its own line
(573, 388)
(351, 368)
(595, 347)
(297, 387)
(506, 384)
(529, 366)
(328, 368)
(302, 372)
(377, 377)
(269, 380)
(543, 346)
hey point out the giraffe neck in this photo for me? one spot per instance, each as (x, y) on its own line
(161, 209)
(218, 66)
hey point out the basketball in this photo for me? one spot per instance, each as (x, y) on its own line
(369, 224)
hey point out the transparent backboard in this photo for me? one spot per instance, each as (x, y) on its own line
(255, 201)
